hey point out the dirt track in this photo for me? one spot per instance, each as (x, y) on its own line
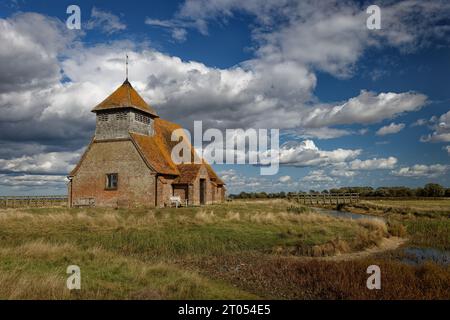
(386, 244)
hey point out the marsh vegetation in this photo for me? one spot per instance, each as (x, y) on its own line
(243, 249)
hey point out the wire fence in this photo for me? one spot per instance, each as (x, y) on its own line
(32, 201)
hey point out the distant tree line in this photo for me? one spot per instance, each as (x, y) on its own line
(429, 190)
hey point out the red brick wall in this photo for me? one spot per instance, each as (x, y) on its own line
(181, 191)
(165, 191)
(136, 184)
(214, 194)
(195, 188)
(220, 193)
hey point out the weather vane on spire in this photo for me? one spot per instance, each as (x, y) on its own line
(126, 55)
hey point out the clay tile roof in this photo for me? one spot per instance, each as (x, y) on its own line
(155, 152)
(125, 97)
(161, 144)
(188, 173)
(157, 149)
(165, 128)
(212, 175)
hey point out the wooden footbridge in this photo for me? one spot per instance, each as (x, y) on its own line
(325, 198)
(32, 201)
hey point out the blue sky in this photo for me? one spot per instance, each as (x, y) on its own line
(354, 106)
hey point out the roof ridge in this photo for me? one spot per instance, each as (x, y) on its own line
(125, 96)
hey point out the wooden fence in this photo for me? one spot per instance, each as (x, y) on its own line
(32, 201)
(326, 198)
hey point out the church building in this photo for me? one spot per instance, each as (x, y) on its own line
(128, 162)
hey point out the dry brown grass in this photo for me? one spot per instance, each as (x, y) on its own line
(36, 270)
(142, 253)
(374, 225)
(291, 278)
(39, 249)
(263, 217)
(425, 222)
(397, 229)
(16, 285)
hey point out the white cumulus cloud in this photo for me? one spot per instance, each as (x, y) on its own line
(306, 153)
(285, 179)
(373, 164)
(318, 176)
(366, 108)
(390, 129)
(447, 148)
(441, 128)
(52, 162)
(106, 21)
(422, 171)
(33, 181)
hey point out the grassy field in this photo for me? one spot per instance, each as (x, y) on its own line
(238, 250)
(428, 208)
(427, 222)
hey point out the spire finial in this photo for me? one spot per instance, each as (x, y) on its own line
(126, 55)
